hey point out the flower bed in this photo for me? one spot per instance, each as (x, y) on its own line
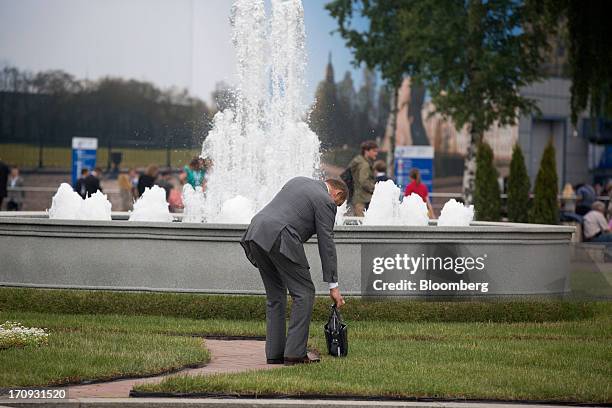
(13, 334)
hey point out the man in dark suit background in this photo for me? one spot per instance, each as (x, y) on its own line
(274, 244)
(92, 182)
(79, 187)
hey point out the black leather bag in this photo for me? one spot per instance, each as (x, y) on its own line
(336, 334)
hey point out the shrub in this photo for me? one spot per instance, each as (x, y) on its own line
(545, 209)
(487, 202)
(518, 187)
(236, 307)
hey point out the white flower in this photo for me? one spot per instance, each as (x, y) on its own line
(14, 334)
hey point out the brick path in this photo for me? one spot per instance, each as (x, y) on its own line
(226, 356)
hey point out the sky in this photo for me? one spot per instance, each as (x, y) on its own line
(172, 43)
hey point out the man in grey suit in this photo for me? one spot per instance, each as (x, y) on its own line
(274, 244)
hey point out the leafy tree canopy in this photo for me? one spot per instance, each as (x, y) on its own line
(472, 56)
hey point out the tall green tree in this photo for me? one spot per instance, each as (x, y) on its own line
(545, 209)
(518, 187)
(347, 104)
(366, 106)
(472, 56)
(324, 115)
(487, 202)
(383, 110)
(590, 57)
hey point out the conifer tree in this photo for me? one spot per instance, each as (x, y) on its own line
(324, 115)
(545, 209)
(518, 187)
(487, 203)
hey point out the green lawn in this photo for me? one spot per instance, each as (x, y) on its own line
(561, 361)
(509, 350)
(86, 347)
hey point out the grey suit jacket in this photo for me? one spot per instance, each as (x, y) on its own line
(301, 208)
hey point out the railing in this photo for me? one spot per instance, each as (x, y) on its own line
(435, 196)
(50, 189)
(432, 195)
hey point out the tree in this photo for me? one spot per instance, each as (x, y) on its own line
(590, 56)
(487, 202)
(347, 98)
(518, 187)
(384, 95)
(324, 115)
(472, 56)
(377, 47)
(366, 107)
(49, 108)
(545, 209)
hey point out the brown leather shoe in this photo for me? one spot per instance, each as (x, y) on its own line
(275, 361)
(310, 357)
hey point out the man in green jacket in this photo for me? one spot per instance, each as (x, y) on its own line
(363, 176)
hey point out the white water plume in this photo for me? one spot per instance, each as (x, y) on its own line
(262, 142)
(66, 204)
(387, 209)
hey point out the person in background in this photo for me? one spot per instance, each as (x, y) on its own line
(380, 171)
(174, 196)
(419, 188)
(568, 199)
(195, 173)
(586, 196)
(608, 189)
(362, 172)
(147, 180)
(595, 224)
(92, 182)
(568, 205)
(15, 198)
(4, 172)
(175, 200)
(165, 182)
(79, 187)
(125, 191)
(134, 176)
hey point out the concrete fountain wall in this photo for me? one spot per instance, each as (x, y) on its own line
(121, 255)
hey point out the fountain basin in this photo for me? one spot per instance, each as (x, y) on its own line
(521, 259)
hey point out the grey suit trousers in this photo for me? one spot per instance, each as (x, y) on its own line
(280, 274)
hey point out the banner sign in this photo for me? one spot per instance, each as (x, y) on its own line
(83, 155)
(407, 157)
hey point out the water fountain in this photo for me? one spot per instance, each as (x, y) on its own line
(255, 147)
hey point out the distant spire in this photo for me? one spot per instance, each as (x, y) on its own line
(329, 70)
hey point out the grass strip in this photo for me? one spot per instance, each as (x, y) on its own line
(252, 308)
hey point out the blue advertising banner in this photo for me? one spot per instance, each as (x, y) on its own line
(407, 157)
(83, 155)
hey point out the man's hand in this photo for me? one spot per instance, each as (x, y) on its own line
(335, 295)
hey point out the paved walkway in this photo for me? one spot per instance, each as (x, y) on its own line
(226, 356)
